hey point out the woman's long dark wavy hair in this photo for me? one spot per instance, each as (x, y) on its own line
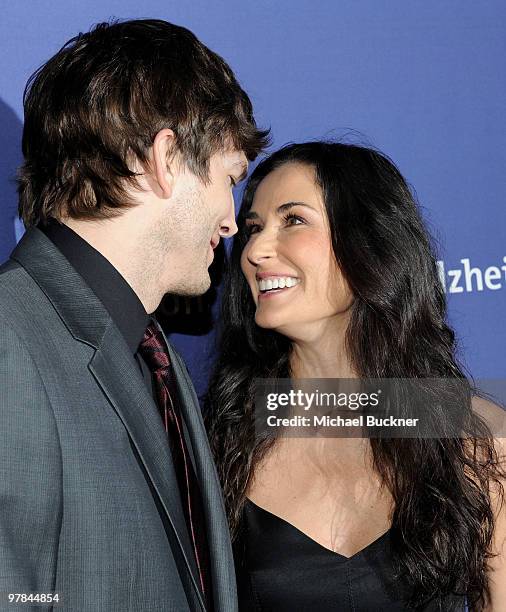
(443, 520)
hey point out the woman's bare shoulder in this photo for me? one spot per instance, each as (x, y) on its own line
(494, 416)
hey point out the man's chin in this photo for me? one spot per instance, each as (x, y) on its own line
(195, 288)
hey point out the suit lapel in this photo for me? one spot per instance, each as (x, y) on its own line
(116, 372)
(222, 566)
(120, 380)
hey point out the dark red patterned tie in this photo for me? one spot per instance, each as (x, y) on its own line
(153, 349)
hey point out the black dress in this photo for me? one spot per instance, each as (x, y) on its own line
(281, 569)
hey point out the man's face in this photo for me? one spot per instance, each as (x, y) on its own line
(196, 217)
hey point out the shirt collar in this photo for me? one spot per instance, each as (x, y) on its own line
(119, 299)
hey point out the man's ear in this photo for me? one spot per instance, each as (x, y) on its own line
(163, 148)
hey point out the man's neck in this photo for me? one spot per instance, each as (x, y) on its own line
(117, 241)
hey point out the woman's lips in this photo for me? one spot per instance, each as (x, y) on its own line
(271, 293)
(274, 274)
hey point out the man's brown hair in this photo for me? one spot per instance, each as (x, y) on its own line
(101, 100)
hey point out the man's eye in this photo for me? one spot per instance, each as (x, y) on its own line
(232, 181)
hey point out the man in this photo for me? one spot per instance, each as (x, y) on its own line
(134, 135)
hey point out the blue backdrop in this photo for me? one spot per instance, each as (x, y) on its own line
(424, 82)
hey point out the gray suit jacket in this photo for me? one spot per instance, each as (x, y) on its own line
(88, 496)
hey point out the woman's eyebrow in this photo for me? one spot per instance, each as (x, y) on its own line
(280, 209)
(285, 207)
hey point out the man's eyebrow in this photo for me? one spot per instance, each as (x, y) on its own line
(281, 209)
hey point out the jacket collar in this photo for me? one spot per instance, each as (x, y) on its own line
(78, 307)
(115, 371)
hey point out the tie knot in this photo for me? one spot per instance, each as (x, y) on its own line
(153, 349)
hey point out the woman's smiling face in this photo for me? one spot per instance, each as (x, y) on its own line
(289, 247)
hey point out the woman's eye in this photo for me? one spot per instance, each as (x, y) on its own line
(252, 228)
(292, 219)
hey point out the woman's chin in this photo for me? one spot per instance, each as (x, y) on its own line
(275, 323)
(268, 321)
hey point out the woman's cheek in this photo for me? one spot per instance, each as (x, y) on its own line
(310, 246)
(243, 262)
(300, 238)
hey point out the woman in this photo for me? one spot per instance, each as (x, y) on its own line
(333, 276)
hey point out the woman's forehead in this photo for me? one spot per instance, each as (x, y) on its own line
(291, 182)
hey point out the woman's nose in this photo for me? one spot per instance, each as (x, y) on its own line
(262, 246)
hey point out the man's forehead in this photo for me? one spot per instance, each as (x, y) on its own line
(238, 162)
(232, 160)
(236, 157)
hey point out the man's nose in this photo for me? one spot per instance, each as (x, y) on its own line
(228, 227)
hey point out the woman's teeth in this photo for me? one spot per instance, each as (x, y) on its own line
(280, 282)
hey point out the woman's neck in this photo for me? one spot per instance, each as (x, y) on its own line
(321, 354)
